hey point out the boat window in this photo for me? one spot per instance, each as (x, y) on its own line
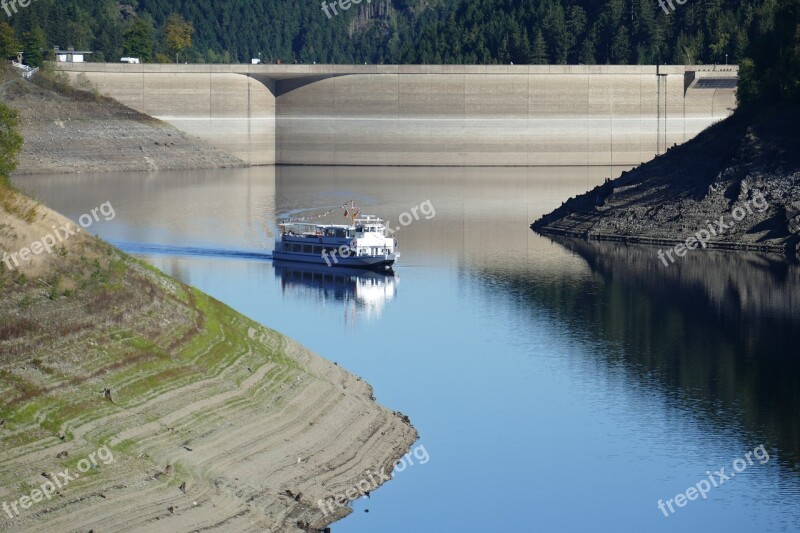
(307, 249)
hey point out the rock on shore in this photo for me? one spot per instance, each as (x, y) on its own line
(727, 172)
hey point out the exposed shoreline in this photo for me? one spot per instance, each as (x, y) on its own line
(668, 242)
(75, 131)
(257, 427)
(706, 187)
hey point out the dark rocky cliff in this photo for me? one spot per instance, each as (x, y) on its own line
(738, 180)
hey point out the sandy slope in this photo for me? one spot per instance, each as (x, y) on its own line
(257, 427)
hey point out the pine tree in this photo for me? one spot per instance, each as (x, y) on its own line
(139, 39)
(539, 53)
(576, 26)
(33, 44)
(10, 142)
(620, 48)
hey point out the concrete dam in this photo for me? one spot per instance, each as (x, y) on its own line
(431, 115)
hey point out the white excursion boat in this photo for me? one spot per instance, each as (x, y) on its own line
(362, 244)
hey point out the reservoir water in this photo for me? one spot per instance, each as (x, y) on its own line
(556, 385)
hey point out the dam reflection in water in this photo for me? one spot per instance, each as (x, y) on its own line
(557, 385)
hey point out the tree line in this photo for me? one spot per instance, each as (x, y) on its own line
(419, 32)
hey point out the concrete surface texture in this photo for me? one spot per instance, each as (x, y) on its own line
(427, 114)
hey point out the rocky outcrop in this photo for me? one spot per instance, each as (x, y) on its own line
(737, 185)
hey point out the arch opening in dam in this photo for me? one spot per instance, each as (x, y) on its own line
(427, 115)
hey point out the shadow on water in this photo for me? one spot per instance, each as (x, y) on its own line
(717, 333)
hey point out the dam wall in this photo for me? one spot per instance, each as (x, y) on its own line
(427, 114)
(231, 111)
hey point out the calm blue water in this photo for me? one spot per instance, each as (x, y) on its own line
(556, 386)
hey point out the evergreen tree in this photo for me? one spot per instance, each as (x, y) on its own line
(10, 142)
(587, 55)
(539, 53)
(772, 73)
(33, 45)
(576, 25)
(8, 41)
(620, 48)
(139, 39)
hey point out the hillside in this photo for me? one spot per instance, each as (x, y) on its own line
(210, 420)
(738, 181)
(69, 130)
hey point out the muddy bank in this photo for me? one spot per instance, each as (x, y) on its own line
(735, 186)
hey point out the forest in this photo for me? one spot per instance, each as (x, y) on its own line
(761, 35)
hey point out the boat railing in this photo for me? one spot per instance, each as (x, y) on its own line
(370, 219)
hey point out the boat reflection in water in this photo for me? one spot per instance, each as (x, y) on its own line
(361, 292)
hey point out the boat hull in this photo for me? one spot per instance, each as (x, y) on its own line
(370, 261)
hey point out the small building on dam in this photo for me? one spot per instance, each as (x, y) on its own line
(428, 115)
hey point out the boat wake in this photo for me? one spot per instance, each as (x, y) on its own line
(137, 248)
